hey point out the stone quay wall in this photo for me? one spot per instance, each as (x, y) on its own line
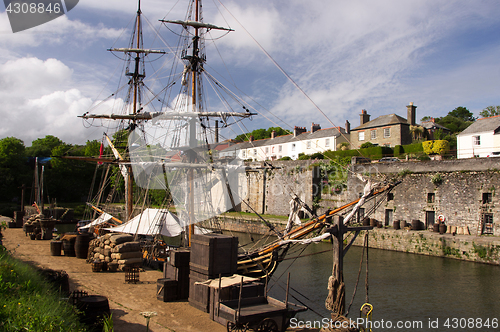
(464, 247)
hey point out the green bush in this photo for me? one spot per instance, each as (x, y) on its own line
(317, 155)
(398, 150)
(440, 147)
(29, 303)
(374, 153)
(367, 145)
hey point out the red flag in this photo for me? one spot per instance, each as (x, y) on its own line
(101, 152)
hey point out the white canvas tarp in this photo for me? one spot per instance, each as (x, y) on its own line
(102, 218)
(151, 222)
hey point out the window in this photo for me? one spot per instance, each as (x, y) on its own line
(244, 153)
(280, 148)
(486, 198)
(487, 223)
(272, 149)
(327, 142)
(431, 197)
(387, 132)
(373, 134)
(293, 147)
(267, 149)
(390, 196)
(254, 152)
(361, 136)
(476, 140)
(308, 144)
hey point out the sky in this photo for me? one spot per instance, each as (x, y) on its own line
(344, 55)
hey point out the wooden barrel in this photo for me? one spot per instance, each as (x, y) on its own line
(93, 309)
(435, 228)
(373, 222)
(442, 228)
(415, 225)
(396, 224)
(55, 248)
(366, 222)
(82, 245)
(69, 247)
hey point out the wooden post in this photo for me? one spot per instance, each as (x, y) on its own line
(338, 260)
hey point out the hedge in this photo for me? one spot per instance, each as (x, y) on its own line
(373, 153)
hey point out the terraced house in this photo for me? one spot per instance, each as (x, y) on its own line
(301, 141)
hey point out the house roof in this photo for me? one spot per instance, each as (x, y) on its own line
(432, 125)
(482, 125)
(320, 133)
(383, 120)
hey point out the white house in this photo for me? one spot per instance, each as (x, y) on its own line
(480, 139)
(277, 147)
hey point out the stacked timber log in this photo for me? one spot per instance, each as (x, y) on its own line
(212, 255)
(117, 250)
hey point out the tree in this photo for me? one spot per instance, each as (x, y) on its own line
(462, 113)
(490, 111)
(42, 147)
(14, 170)
(417, 132)
(262, 134)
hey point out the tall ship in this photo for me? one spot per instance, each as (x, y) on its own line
(162, 133)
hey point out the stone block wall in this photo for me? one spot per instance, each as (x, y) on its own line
(464, 247)
(458, 196)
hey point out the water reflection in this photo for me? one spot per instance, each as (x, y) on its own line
(402, 287)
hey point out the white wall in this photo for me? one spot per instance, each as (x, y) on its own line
(489, 143)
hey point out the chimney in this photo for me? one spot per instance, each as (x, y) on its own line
(251, 139)
(347, 127)
(364, 117)
(412, 114)
(314, 127)
(273, 134)
(298, 130)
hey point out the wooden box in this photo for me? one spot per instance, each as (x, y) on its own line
(181, 275)
(214, 255)
(166, 290)
(253, 289)
(179, 258)
(199, 295)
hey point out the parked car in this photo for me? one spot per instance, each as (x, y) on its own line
(389, 159)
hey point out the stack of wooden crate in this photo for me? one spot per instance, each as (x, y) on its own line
(212, 255)
(175, 284)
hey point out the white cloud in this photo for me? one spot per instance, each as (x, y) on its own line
(37, 100)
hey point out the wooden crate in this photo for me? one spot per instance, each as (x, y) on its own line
(179, 258)
(214, 255)
(253, 289)
(166, 290)
(199, 295)
(181, 275)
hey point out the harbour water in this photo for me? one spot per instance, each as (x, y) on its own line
(420, 292)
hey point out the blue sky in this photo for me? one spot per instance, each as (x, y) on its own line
(346, 55)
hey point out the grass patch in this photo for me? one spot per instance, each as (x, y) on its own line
(29, 303)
